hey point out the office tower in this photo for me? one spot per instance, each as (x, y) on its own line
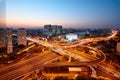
(22, 36)
(47, 31)
(56, 30)
(52, 30)
(2, 40)
(9, 41)
(2, 37)
(59, 30)
(2, 26)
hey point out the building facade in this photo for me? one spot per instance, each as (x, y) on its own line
(52, 30)
(9, 41)
(22, 36)
(71, 37)
(2, 37)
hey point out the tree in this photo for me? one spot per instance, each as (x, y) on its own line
(65, 58)
(85, 78)
(21, 46)
(61, 78)
(3, 50)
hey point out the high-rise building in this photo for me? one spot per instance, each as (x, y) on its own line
(2, 37)
(47, 30)
(3, 41)
(2, 26)
(59, 30)
(52, 30)
(22, 36)
(9, 41)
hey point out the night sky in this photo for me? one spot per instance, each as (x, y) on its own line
(68, 13)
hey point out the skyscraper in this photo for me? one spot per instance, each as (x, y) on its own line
(52, 30)
(2, 26)
(9, 41)
(22, 36)
(2, 37)
(2, 40)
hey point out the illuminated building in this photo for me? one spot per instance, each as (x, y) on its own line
(21, 36)
(71, 37)
(9, 41)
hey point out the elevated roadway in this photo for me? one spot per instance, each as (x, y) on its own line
(15, 70)
(65, 52)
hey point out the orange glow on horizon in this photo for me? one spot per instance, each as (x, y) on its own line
(20, 22)
(29, 23)
(2, 23)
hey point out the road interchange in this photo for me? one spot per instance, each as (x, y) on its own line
(15, 70)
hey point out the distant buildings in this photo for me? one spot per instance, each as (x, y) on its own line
(10, 41)
(100, 32)
(52, 30)
(22, 36)
(6, 40)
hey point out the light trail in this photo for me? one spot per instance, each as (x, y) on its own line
(65, 52)
(114, 33)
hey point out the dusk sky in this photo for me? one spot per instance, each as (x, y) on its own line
(68, 13)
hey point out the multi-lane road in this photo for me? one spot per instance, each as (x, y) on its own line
(65, 52)
(81, 42)
(24, 66)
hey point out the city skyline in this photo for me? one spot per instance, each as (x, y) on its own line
(68, 13)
